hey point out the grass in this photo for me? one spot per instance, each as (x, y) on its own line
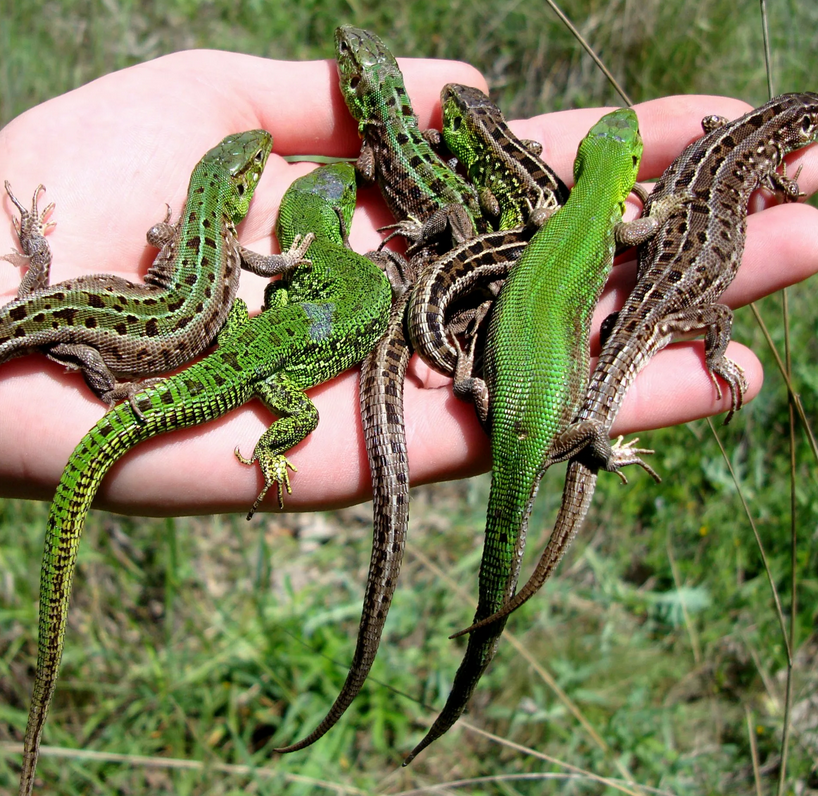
(207, 640)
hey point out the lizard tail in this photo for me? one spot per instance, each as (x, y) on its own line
(382, 376)
(506, 519)
(577, 494)
(479, 653)
(163, 409)
(99, 449)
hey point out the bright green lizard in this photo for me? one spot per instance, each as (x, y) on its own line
(536, 367)
(108, 327)
(319, 321)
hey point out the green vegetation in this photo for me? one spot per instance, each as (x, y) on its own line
(209, 639)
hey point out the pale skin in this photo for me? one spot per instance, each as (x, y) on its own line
(112, 153)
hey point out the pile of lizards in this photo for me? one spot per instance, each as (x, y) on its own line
(503, 269)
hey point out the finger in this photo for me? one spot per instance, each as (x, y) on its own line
(194, 471)
(667, 125)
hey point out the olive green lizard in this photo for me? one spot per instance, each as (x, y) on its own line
(108, 327)
(322, 319)
(426, 197)
(536, 367)
(682, 272)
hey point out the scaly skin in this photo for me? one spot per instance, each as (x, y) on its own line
(31, 228)
(536, 366)
(434, 207)
(483, 261)
(517, 188)
(514, 184)
(109, 327)
(323, 320)
(683, 271)
(383, 372)
(426, 197)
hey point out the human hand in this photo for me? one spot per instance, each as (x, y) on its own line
(112, 153)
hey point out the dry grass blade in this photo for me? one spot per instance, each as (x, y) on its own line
(501, 778)
(762, 553)
(587, 47)
(612, 783)
(794, 396)
(187, 765)
(751, 735)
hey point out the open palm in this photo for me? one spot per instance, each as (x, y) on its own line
(115, 151)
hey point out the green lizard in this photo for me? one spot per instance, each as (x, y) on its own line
(682, 272)
(384, 370)
(426, 197)
(515, 185)
(323, 319)
(536, 366)
(108, 327)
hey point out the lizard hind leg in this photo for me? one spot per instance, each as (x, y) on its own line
(298, 417)
(716, 322)
(31, 229)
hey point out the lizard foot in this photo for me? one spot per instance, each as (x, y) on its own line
(31, 228)
(624, 455)
(274, 469)
(295, 254)
(127, 391)
(411, 229)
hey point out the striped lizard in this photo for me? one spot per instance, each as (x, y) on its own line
(108, 327)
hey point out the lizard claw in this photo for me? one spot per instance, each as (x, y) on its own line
(128, 391)
(295, 254)
(623, 455)
(274, 469)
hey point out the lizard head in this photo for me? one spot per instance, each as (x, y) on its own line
(457, 103)
(241, 158)
(614, 139)
(365, 66)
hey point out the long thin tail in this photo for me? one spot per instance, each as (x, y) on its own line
(99, 449)
(382, 382)
(506, 527)
(577, 494)
(175, 403)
